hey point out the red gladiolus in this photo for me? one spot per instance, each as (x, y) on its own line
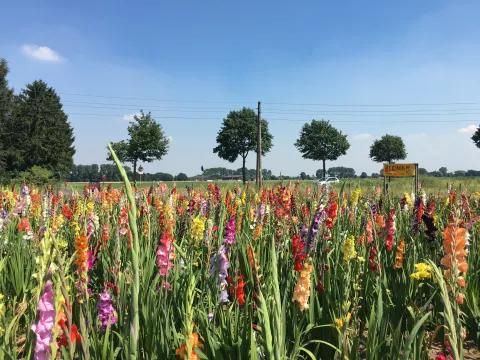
(237, 292)
(297, 245)
(74, 337)
(299, 259)
(332, 214)
(24, 225)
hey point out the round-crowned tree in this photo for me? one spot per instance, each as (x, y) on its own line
(388, 149)
(476, 137)
(238, 137)
(320, 141)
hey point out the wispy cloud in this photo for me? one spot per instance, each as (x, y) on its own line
(130, 117)
(363, 137)
(43, 53)
(470, 129)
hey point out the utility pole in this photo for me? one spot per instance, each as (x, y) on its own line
(259, 146)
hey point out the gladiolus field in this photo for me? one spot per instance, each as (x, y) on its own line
(283, 272)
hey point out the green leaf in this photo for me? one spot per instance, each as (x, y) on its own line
(412, 335)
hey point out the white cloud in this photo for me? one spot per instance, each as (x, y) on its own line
(170, 138)
(129, 117)
(362, 137)
(43, 53)
(470, 129)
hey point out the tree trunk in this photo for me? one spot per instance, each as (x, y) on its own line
(243, 169)
(389, 178)
(324, 171)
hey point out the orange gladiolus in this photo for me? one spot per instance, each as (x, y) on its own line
(399, 255)
(81, 247)
(380, 221)
(182, 350)
(454, 242)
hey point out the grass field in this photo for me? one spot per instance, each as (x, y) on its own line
(397, 186)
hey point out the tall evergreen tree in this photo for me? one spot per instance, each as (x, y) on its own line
(39, 132)
(6, 101)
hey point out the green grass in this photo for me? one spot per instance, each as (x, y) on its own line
(397, 186)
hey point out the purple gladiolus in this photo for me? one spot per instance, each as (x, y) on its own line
(106, 312)
(219, 265)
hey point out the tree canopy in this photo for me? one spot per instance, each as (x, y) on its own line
(388, 149)
(37, 132)
(6, 101)
(147, 142)
(341, 172)
(320, 141)
(182, 177)
(238, 136)
(476, 137)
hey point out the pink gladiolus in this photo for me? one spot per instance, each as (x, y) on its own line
(164, 255)
(46, 321)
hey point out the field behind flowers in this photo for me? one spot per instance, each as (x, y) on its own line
(397, 186)
(230, 272)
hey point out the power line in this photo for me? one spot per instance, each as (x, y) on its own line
(288, 120)
(315, 113)
(269, 103)
(371, 105)
(349, 112)
(160, 100)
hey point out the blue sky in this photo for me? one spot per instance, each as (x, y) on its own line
(195, 61)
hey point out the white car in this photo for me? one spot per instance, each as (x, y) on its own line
(327, 181)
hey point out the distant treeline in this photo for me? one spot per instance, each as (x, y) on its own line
(109, 172)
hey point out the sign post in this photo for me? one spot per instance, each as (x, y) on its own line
(140, 172)
(400, 170)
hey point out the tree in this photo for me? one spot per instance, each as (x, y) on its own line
(473, 173)
(363, 175)
(266, 174)
(39, 133)
(238, 136)
(435, 174)
(182, 177)
(388, 149)
(303, 176)
(319, 173)
(320, 141)
(6, 102)
(476, 137)
(422, 171)
(443, 171)
(460, 173)
(37, 175)
(342, 172)
(163, 177)
(147, 142)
